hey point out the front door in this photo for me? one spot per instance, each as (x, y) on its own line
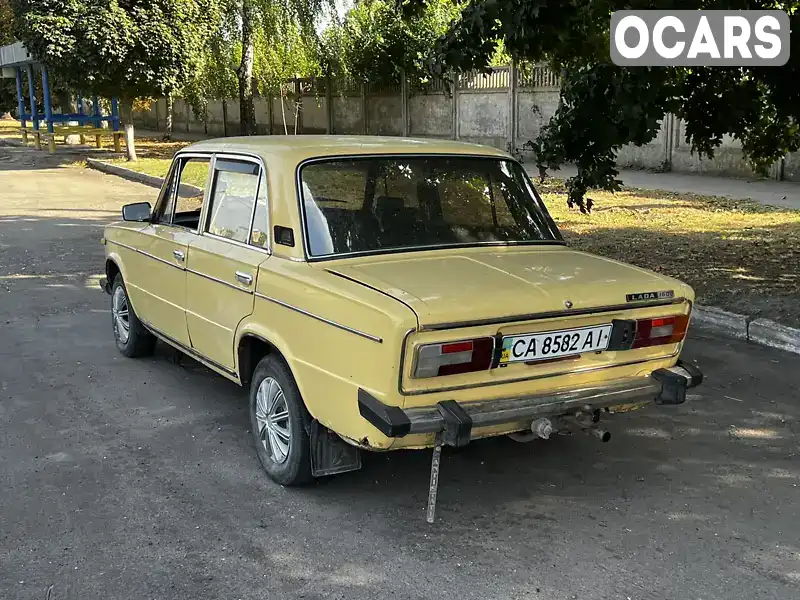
(223, 261)
(164, 249)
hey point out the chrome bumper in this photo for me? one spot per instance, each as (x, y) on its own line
(664, 386)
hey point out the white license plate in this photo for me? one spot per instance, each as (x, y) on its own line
(552, 344)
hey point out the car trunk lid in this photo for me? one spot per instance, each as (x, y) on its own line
(507, 284)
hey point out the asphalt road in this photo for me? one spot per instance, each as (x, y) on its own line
(138, 479)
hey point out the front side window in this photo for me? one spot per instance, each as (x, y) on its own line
(188, 177)
(395, 203)
(233, 199)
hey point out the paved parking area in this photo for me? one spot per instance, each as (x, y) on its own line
(137, 478)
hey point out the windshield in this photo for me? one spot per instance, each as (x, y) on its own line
(395, 203)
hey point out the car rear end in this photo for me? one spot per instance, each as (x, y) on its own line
(633, 360)
(513, 326)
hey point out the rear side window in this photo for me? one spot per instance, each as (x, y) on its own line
(233, 199)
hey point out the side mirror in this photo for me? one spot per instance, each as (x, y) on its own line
(138, 211)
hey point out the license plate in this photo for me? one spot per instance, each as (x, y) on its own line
(552, 344)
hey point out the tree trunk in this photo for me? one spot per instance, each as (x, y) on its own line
(126, 115)
(168, 126)
(247, 109)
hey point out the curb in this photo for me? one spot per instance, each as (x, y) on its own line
(129, 174)
(710, 318)
(758, 331)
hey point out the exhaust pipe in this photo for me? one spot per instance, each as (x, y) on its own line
(600, 434)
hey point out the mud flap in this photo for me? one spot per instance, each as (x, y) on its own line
(330, 454)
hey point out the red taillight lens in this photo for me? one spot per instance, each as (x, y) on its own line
(656, 332)
(434, 360)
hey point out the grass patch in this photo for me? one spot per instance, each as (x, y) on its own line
(154, 156)
(736, 254)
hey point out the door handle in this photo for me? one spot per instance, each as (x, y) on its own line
(244, 278)
(178, 254)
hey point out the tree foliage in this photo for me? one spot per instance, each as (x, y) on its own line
(604, 107)
(382, 41)
(376, 44)
(268, 24)
(281, 51)
(125, 48)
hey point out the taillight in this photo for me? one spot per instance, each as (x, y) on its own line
(655, 332)
(434, 360)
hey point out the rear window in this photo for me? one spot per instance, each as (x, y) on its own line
(371, 205)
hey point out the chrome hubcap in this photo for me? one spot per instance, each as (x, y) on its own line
(272, 417)
(119, 311)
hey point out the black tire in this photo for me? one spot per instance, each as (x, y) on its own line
(139, 342)
(295, 468)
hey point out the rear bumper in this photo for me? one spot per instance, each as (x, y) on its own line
(664, 386)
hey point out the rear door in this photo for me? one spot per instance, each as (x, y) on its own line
(222, 263)
(161, 280)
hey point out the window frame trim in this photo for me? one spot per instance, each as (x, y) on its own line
(558, 241)
(262, 180)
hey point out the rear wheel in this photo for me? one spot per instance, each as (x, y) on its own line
(133, 340)
(279, 422)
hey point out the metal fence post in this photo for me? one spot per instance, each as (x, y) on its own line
(329, 104)
(21, 104)
(364, 124)
(404, 101)
(455, 78)
(512, 107)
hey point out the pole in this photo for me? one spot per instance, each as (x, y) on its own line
(329, 104)
(404, 101)
(81, 117)
(34, 112)
(512, 108)
(455, 106)
(32, 96)
(364, 121)
(96, 111)
(21, 104)
(115, 123)
(48, 109)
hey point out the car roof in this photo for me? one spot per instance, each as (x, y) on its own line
(297, 148)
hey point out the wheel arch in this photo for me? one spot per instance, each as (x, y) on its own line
(251, 347)
(113, 269)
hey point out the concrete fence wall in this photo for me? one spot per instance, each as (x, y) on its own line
(504, 109)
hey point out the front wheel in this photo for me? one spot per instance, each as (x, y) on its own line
(133, 340)
(279, 420)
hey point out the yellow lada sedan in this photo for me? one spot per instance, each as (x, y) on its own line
(384, 293)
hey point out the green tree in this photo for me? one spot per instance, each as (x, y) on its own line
(380, 44)
(8, 92)
(260, 22)
(281, 50)
(124, 48)
(376, 44)
(603, 107)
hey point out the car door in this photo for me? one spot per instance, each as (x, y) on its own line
(223, 261)
(164, 248)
